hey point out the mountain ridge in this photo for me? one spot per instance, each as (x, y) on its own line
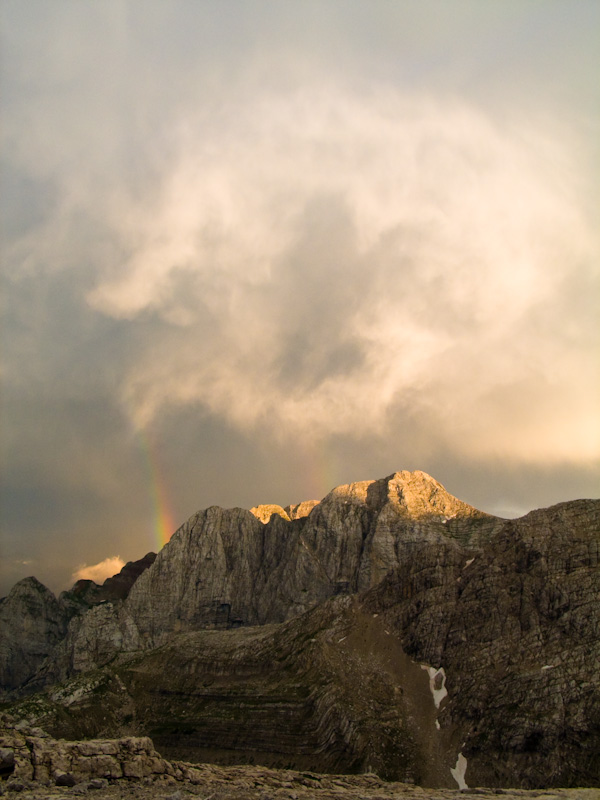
(326, 636)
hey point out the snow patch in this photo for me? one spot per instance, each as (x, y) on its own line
(458, 772)
(437, 683)
(469, 561)
(437, 725)
(548, 666)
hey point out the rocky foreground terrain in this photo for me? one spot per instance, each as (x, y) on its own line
(43, 768)
(389, 629)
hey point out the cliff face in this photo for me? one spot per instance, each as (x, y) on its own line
(389, 626)
(517, 629)
(235, 567)
(32, 622)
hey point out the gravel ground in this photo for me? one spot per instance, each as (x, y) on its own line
(255, 783)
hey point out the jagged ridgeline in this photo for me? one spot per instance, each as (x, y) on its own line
(389, 626)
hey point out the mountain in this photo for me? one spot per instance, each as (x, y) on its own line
(389, 626)
(33, 621)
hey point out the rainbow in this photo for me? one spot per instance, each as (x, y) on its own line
(163, 520)
(321, 470)
(319, 467)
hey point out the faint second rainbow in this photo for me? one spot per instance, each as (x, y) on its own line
(320, 468)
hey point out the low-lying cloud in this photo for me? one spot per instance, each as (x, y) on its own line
(99, 572)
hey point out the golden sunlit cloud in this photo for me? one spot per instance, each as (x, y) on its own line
(99, 572)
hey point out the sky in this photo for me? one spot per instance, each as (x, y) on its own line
(254, 250)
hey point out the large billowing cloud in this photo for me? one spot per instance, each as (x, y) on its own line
(299, 244)
(318, 261)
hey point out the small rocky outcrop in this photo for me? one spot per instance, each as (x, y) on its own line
(33, 755)
(296, 511)
(300, 510)
(265, 512)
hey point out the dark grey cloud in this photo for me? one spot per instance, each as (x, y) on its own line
(293, 245)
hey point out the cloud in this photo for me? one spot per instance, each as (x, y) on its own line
(311, 263)
(301, 256)
(99, 572)
(306, 245)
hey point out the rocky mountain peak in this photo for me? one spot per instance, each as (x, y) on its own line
(265, 512)
(422, 496)
(31, 609)
(413, 494)
(296, 511)
(228, 567)
(29, 586)
(118, 586)
(29, 596)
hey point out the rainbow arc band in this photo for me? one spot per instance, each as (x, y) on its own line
(318, 466)
(163, 520)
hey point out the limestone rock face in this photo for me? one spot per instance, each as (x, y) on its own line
(32, 622)
(93, 639)
(33, 755)
(516, 628)
(44, 639)
(234, 567)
